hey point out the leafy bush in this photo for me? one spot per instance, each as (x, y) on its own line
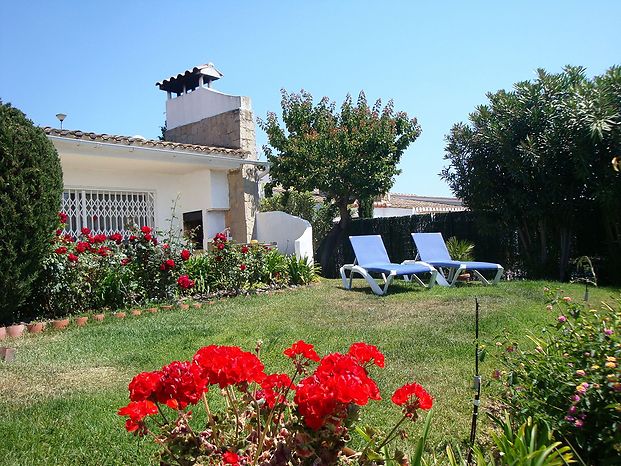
(31, 180)
(572, 378)
(232, 267)
(95, 271)
(530, 444)
(460, 250)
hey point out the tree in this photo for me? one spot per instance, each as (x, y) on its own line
(535, 156)
(348, 155)
(31, 180)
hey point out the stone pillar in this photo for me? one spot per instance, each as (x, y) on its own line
(243, 202)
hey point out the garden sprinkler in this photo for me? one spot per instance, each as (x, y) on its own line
(476, 385)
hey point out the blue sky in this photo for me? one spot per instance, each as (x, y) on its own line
(98, 61)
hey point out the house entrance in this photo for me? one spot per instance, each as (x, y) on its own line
(193, 226)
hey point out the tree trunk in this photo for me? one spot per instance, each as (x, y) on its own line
(333, 239)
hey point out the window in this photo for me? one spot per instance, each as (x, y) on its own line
(107, 211)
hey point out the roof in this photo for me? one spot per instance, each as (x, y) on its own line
(421, 203)
(141, 142)
(189, 78)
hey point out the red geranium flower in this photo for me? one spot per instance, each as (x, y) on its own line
(185, 255)
(145, 386)
(60, 250)
(86, 231)
(182, 384)
(303, 348)
(413, 396)
(231, 458)
(72, 257)
(364, 353)
(137, 411)
(273, 389)
(146, 230)
(229, 365)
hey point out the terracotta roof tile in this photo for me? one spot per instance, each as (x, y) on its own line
(137, 141)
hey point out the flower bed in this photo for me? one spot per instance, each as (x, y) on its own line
(95, 271)
(278, 419)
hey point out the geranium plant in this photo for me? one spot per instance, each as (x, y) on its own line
(303, 418)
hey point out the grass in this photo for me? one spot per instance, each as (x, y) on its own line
(58, 399)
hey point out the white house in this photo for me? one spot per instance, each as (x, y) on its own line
(206, 166)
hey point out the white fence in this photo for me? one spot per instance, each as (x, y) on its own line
(293, 235)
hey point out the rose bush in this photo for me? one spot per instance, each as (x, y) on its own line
(572, 379)
(303, 418)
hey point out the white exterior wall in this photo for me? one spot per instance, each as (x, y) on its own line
(199, 104)
(194, 186)
(391, 212)
(293, 235)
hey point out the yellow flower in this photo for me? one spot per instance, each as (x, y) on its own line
(594, 367)
(611, 359)
(611, 365)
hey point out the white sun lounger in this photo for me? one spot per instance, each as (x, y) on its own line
(371, 257)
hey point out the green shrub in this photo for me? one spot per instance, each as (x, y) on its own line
(460, 250)
(301, 271)
(571, 379)
(31, 180)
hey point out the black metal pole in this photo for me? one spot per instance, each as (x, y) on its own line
(477, 384)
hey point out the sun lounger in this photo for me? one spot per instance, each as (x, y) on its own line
(432, 249)
(372, 258)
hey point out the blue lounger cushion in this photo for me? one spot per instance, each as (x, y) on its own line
(468, 265)
(396, 269)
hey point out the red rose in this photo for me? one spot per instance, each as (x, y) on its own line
(184, 282)
(242, 267)
(244, 249)
(86, 231)
(125, 261)
(148, 237)
(146, 230)
(165, 246)
(154, 241)
(103, 251)
(59, 232)
(221, 246)
(116, 237)
(72, 258)
(62, 217)
(170, 264)
(60, 250)
(163, 266)
(185, 255)
(133, 238)
(82, 246)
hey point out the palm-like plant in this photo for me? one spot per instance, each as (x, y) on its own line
(460, 250)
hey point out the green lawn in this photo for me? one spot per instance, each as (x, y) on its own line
(58, 399)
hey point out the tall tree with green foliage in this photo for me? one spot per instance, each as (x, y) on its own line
(348, 155)
(31, 180)
(539, 157)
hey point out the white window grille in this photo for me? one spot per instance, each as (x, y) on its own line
(107, 212)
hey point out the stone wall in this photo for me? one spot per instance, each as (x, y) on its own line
(233, 129)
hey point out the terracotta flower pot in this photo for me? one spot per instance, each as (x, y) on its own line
(81, 321)
(152, 310)
(464, 277)
(197, 305)
(167, 307)
(60, 324)
(35, 327)
(184, 306)
(2, 333)
(99, 317)
(16, 330)
(136, 312)
(120, 315)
